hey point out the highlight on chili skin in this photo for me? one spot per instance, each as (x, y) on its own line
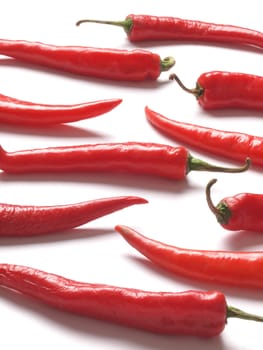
(221, 90)
(193, 313)
(147, 28)
(242, 211)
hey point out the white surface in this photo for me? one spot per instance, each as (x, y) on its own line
(177, 213)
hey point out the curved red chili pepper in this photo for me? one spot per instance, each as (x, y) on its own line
(29, 220)
(104, 63)
(218, 90)
(238, 269)
(229, 144)
(17, 112)
(240, 212)
(147, 27)
(195, 313)
(130, 157)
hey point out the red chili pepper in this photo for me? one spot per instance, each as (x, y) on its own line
(130, 157)
(238, 269)
(195, 313)
(218, 90)
(145, 27)
(29, 220)
(17, 112)
(125, 65)
(240, 212)
(229, 144)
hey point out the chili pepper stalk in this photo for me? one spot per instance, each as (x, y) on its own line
(232, 268)
(148, 28)
(137, 158)
(193, 313)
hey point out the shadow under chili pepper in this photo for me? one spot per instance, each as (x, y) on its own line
(184, 281)
(244, 240)
(67, 235)
(109, 332)
(229, 113)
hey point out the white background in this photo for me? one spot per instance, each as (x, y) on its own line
(177, 212)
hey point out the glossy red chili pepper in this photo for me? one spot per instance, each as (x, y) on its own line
(195, 313)
(229, 144)
(130, 157)
(238, 269)
(17, 112)
(125, 65)
(218, 90)
(240, 212)
(145, 27)
(29, 220)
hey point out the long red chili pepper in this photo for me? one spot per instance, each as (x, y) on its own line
(238, 269)
(229, 144)
(242, 211)
(17, 112)
(29, 220)
(219, 89)
(195, 313)
(147, 27)
(130, 157)
(125, 65)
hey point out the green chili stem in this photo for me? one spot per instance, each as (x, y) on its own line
(237, 313)
(198, 91)
(167, 63)
(126, 24)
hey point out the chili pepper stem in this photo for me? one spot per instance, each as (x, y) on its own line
(237, 313)
(200, 165)
(197, 91)
(126, 24)
(167, 63)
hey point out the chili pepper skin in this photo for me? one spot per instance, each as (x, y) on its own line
(17, 112)
(237, 269)
(28, 220)
(229, 144)
(147, 27)
(242, 211)
(194, 313)
(104, 63)
(129, 157)
(219, 90)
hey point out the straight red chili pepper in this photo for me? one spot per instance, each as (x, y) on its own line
(242, 211)
(147, 27)
(229, 144)
(29, 220)
(129, 157)
(194, 313)
(218, 90)
(104, 63)
(18, 112)
(237, 269)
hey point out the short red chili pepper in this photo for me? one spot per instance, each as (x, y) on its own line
(147, 27)
(237, 269)
(240, 212)
(17, 112)
(229, 144)
(194, 313)
(29, 220)
(129, 157)
(104, 63)
(218, 90)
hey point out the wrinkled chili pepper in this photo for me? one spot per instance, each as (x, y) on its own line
(104, 63)
(233, 268)
(17, 112)
(219, 89)
(147, 27)
(242, 211)
(129, 157)
(195, 313)
(29, 220)
(229, 144)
